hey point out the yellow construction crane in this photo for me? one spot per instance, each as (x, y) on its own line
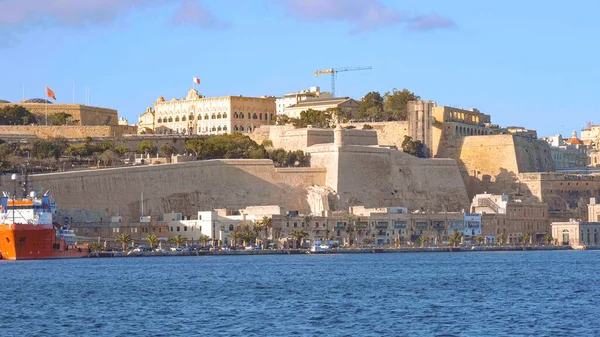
(334, 71)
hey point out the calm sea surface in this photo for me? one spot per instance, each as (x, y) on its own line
(429, 294)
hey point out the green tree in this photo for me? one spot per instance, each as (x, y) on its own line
(121, 150)
(371, 107)
(152, 240)
(16, 115)
(282, 119)
(395, 103)
(108, 157)
(258, 228)
(479, 240)
(195, 145)
(298, 236)
(548, 239)
(44, 149)
(178, 240)
(415, 148)
(124, 239)
(78, 150)
(315, 118)
(146, 146)
(455, 238)
(367, 127)
(60, 118)
(168, 150)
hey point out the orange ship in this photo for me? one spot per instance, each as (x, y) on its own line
(27, 231)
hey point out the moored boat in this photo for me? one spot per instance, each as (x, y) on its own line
(27, 230)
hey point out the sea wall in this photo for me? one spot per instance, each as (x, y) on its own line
(70, 131)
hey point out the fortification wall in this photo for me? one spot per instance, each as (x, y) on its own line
(86, 115)
(379, 177)
(567, 195)
(184, 187)
(71, 131)
(388, 133)
(491, 163)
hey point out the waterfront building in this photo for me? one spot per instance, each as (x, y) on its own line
(297, 97)
(346, 105)
(577, 233)
(200, 115)
(512, 218)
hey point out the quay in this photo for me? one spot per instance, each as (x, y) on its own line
(333, 251)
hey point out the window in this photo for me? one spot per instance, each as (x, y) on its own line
(191, 117)
(213, 116)
(177, 119)
(171, 228)
(178, 229)
(225, 128)
(235, 115)
(183, 119)
(241, 115)
(199, 217)
(206, 116)
(260, 116)
(224, 115)
(185, 228)
(170, 119)
(235, 128)
(159, 120)
(253, 116)
(241, 128)
(219, 116)
(231, 227)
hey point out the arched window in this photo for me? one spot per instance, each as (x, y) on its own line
(219, 116)
(241, 115)
(159, 121)
(241, 128)
(224, 115)
(260, 116)
(170, 119)
(235, 128)
(183, 119)
(191, 117)
(225, 128)
(219, 128)
(235, 115)
(213, 116)
(271, 117)
(231, 227)
(254, 116)
(177, 119)
(213, 129)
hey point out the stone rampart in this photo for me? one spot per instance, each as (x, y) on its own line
(388, 133)
(380, 177)
(85, 114)
(69, 131)
(185, 187)
(491, 163)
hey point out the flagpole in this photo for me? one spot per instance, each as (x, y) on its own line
(46, 106)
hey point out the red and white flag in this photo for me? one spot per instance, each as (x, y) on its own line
(196, 80)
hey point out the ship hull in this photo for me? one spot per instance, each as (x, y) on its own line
(29, 242)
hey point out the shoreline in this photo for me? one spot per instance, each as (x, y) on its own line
(335, 251)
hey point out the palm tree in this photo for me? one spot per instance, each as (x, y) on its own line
(455, 238)
(235, 235)
(123, 239)
(268, 224)
(204, 239)
(298, 236)
(257, 228)
(548, 239)
(479, 240)
(368, 241)
(501, 238)
(525, 239)
(178, 240)
(423, 240)
(95, 247)
(152, 240)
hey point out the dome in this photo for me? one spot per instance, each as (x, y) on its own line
(160, 99)
(574, 141)
(36, 100)
(4, 101)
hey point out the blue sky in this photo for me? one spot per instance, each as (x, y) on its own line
(524, 63)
